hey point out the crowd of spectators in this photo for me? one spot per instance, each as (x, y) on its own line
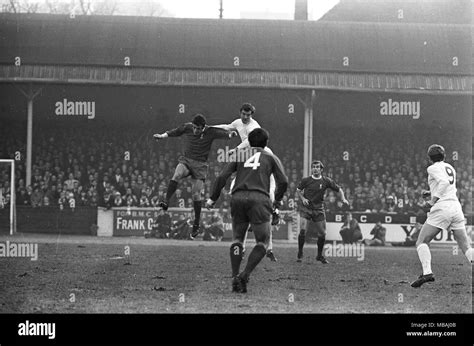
(380, 169)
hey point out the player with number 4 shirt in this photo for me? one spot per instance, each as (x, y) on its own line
(243, 126)
(250, 204)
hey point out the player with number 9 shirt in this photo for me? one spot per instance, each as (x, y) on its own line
(250, 203)
(445, 212)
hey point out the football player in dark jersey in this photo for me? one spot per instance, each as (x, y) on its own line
(198, 141)
(311, 207)
(250, 204)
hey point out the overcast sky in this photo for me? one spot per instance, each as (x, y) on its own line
(280, 9)
(233, 9)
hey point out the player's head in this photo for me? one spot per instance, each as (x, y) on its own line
(316, 167)
(436, 153)
(246, 112)
(258, 138)
(199, 122)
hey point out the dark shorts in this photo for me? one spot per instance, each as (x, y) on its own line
(310, 214)
(250, 207)
(197, 169)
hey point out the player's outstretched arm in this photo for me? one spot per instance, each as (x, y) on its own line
(342, 196)
(223, 134)
(227, 127)
(176, 132)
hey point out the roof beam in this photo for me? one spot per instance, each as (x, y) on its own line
(300, 80)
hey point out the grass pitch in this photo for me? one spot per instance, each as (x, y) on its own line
(76, 274)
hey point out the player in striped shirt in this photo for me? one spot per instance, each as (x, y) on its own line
(445, 212)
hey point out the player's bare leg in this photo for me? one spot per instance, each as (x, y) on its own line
(427, 233)
(236, 252)
(460, 235)
(244, 243)
(262, 234)
(198, 192)
(320, 227)
(275, 220)
(180, 172)
(301, 238)
(270, 253)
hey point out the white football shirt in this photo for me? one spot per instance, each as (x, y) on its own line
(243, 130)
(442, 181)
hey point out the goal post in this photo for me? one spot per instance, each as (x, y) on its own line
(12, 194)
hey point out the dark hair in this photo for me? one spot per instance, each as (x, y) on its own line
(199, 120)
(316, 162)
(258, 138)
(436, 153)
(247, 107)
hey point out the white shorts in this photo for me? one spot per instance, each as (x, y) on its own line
(446, 215)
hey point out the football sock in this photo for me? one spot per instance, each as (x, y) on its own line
(468, 254)
(245, 240)
(172, 185)
(321, 241)
(301, 239)
(270, 242)
(235, 257)
(425, 258)
(197, 212)
(258, 252)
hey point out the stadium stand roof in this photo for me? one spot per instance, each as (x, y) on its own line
(204, 52)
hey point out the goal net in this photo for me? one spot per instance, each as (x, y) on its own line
(7, 196)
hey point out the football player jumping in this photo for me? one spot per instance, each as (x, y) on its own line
(198, 141)
(244, 125)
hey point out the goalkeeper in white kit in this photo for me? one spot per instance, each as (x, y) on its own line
(445, 212)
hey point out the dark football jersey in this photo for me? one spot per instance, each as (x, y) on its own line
(314, 189)
(197, 147)
(254, 175)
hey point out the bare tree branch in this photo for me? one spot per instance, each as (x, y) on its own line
(86, 7)
(14, 6)
(105, 7)
(52, 8)
(31, 7)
